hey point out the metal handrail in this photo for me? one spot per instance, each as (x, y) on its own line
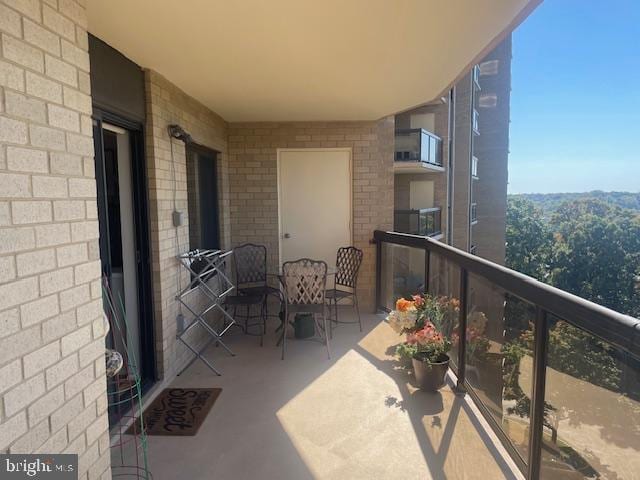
(418, 210)
(417, 130)
(622, 331)
(617, 329)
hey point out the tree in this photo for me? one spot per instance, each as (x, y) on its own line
(528, 238)
(596, 254)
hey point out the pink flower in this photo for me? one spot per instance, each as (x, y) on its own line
(418, 300)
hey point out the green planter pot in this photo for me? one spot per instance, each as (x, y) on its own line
(430, 375)
(304, 325)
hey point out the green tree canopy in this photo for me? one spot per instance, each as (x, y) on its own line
(528, 238)
(596, 253)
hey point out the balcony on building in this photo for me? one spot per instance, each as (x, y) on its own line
(424, 221)
(474, 213)
(315, 99)
(476, 122)
(475, 72)
(417, 151)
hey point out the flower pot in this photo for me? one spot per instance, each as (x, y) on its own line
(304, 325)
(430, 375)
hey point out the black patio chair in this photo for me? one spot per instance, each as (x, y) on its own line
(250, 263)
(248, 301)
(348, 263)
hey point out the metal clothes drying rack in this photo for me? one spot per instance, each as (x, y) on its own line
(207, 269)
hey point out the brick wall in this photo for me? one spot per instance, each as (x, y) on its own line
(52, 382)
(247, 190)
(492, 149)
(462, 164)
(166, 104)
(253, 197)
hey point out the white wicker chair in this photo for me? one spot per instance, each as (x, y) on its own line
(304, 282)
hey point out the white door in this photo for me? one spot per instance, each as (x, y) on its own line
(314, 195)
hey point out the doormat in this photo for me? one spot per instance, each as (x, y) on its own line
(177, 411)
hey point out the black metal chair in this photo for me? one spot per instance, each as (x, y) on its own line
(250, 263)
(304, 284)
(348, 263)
(249, 301)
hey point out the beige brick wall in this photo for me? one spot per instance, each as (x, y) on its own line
(52, 382)
(492, 149)
(166, 104)
(247, 191)
(462, 164)
(253, 196)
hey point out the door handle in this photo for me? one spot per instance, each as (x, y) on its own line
(287, 235)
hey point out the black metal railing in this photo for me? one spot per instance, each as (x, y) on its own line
(418, 145)
(553, 374)
(424, 221)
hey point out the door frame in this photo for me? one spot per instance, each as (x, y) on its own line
(348, 150)
(142, 232)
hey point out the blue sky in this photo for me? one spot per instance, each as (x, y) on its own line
(575, 100)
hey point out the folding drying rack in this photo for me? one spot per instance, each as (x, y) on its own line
(207, 269)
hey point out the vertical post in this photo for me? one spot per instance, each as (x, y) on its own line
(451, 125)
(462, 343)
(536, 414)
(378, 274)
(427, 261)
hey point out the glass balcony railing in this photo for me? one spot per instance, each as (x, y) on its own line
(556, 377)
(476, 122)
(418, 145)
(425, 221)
(476, 76)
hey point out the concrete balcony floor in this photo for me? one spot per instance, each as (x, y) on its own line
(356, 416)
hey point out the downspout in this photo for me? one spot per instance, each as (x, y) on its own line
(450, 170)
(470, 159)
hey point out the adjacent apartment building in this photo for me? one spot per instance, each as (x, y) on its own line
(451, 161)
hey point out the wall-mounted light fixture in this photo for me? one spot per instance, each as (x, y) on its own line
(177, 132)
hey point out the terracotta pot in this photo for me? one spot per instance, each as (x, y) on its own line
(430, 375)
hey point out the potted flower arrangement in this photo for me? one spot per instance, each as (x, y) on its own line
(421, 321)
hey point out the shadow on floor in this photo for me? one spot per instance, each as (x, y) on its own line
(355, 416)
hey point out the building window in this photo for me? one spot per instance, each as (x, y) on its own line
(489, 67)
(474, 167)
(488, 100)
(202, 198)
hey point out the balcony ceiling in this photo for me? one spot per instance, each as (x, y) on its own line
(293, 60)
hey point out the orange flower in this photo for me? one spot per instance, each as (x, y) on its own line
(403, 305)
